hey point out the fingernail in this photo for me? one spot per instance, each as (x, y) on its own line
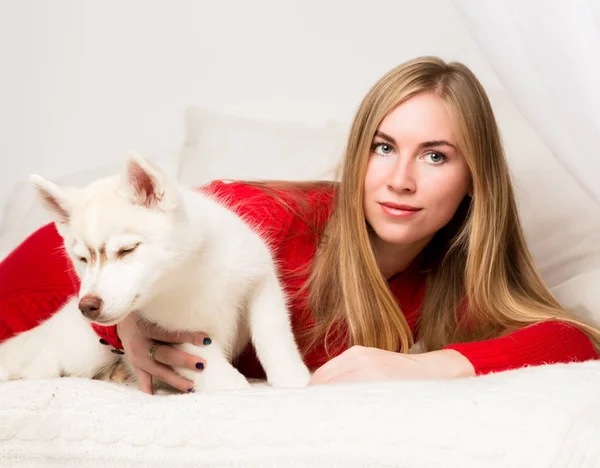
(199, 365)
(190, 390)
(206, 341)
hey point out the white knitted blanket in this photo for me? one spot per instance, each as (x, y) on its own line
(537, 417)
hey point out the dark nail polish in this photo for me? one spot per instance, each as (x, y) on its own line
(103, 341)
(190, 390)
(199, 365)
(206, 341)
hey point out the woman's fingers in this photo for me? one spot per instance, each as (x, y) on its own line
(137, 336)
(338, 365)
(148, 368)
(174, 357)
(167, 375)
(159, 334)
(144, 381)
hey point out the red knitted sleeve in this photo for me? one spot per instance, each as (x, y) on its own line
(36, 280)
(544, 343)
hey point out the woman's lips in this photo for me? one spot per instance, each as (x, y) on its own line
(399, 211)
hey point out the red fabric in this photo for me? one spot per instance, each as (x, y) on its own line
(542, 343)
(37, 279)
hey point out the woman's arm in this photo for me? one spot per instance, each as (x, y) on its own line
(372, 364)
(36, 281)
(543, 343)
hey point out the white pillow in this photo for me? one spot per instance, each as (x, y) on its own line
(561, 222)
(223, 146)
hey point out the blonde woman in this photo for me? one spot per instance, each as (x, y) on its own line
(419, 242)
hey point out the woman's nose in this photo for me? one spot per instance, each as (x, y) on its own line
(402, 177)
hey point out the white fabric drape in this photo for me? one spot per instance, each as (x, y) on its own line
(547, 55)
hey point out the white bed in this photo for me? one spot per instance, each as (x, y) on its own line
(537, 417)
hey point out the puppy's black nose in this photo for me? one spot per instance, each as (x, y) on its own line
(90, 306)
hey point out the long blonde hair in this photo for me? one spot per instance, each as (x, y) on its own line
(481, 279)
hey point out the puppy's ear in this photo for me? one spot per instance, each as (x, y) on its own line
(53, 198)
(145, 183)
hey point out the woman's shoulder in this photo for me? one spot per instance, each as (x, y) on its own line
(273, 208)
(289, 190)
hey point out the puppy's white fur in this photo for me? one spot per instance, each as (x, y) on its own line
(142, 242)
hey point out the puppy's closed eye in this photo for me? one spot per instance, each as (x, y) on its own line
(126, 250)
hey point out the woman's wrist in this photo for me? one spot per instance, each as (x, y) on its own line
(448, 364)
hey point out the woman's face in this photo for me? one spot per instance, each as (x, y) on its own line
(416, 176)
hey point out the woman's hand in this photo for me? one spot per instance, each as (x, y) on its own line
(368, 364)
(138, 337)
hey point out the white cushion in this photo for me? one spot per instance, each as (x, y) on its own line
(222, 146)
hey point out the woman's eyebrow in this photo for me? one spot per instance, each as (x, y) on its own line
(430, 144)
(425, 144)
(386, 137)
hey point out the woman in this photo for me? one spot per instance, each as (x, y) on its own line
(420, 241)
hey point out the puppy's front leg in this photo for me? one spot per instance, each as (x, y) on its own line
(272, 336)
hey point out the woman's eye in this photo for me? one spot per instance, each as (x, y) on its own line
(383, 148)
(435, 157)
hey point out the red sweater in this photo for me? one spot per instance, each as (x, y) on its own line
(37, 278)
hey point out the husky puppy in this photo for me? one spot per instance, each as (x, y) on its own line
(140, 241)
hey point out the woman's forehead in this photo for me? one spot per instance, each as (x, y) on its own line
(421, 118)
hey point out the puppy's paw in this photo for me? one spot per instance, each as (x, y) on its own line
(120, 373)
(224, 378)
(117, 372)
(292, 378)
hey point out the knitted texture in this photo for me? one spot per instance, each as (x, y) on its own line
(36, 280)
(543, 343)
(540, 417)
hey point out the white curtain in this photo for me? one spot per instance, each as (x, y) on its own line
(547, 55)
